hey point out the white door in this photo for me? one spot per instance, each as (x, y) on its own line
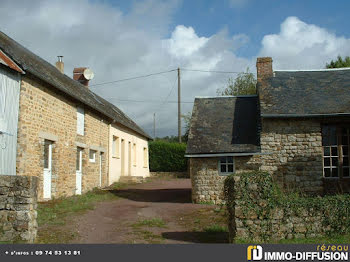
(79, 171)
(101, 154)
(47, 168)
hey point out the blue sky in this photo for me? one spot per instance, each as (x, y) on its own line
(254, 18)
(123, 39)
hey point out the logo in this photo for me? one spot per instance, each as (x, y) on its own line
(254, 253)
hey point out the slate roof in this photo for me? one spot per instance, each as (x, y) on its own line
(43, 70)
(306, 93)
(224, 125)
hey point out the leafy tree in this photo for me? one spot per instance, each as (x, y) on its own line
(340, 62)
(187, 119)
(244, 84)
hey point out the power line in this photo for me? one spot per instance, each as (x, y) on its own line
(211, 71)
(132, 78)
(149, 101)
(171, 90)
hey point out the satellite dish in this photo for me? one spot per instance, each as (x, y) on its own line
(88, 74)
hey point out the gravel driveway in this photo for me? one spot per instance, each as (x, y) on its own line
(159, 211)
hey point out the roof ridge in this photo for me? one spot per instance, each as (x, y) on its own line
(42, 69)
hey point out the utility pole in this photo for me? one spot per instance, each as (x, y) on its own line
(179, 103)
(154, 125)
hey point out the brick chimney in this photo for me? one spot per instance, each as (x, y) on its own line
(60, 64)
(83, 75)
(264, 68)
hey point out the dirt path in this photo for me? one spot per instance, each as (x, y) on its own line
(154, 212)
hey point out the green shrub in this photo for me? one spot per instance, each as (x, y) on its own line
(167, 157)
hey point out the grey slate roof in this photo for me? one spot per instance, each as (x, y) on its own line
(306, 93)
(43, 70)
(224, 125)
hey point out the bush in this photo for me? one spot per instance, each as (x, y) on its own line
(167, 157)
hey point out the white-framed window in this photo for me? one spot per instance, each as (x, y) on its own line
(92, 156)
(115, 147)
(336, 146)
(134, 153)
(145, 157)
(226, 165)
(80, 120)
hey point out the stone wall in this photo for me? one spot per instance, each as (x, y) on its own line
(18, 203)
(207, 183)
(258, 211)
(293, 150)
(48, 114)
(170, 174)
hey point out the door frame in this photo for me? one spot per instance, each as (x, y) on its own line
(79, 172)
(47, 172)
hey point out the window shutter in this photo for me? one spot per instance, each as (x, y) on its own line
(80, 121)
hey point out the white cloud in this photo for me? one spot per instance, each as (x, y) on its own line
(299, 45)
(117, 45)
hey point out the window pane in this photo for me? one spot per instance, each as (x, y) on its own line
(230, 168)
(78, 159)
(327, 172)
(345, 171)
(223, 168)
(230, 159)
(327, 161)
(326, 151)
(223, 159)
(345, 161)
(344, 131)
(345, 150)
(334, 151)
(334, 161)
(92, 154)
(46, 154)
(334, 172)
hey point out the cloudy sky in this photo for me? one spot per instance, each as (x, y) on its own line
(124, 39)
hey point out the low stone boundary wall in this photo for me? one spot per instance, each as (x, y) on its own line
(18, 203)
(170, 174)
(259, 211)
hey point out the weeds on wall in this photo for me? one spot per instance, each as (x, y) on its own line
(254, 195)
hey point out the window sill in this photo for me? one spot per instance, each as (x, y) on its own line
(225, 174)
(92, 161)
(335, 178)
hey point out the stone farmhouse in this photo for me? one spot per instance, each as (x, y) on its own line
(297, 127)
(55, 128)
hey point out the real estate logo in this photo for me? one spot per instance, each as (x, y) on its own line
(254, 253)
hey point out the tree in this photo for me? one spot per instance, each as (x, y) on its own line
(244, 84)
(340, 62)
(187, 119)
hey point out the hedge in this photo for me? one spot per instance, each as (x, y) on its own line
(167, 157)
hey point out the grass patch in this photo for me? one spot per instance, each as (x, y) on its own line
(53, 214)
(149, 237)
(154, 222)
(215, 229)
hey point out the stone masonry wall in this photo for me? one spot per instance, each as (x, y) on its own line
(293, 153)
(259, 213)
(207, 184)
(18, 203)
(47, 114)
